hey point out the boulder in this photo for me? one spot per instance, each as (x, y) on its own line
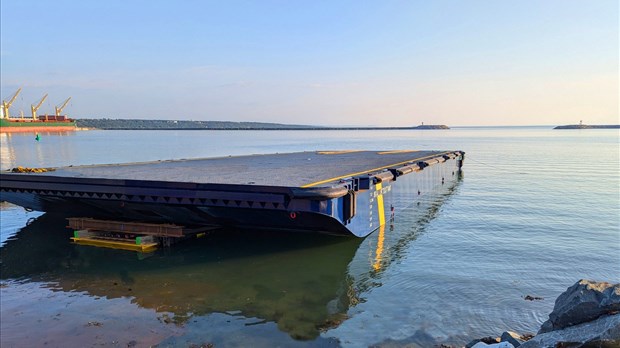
(494, 345)
(584, 301)
(486, 340)
(512, 338)
(603, 332)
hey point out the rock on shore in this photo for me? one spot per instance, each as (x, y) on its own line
(584, 301)
(586, 315)
(603, 332)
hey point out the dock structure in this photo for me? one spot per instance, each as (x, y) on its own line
(334, 192)
(134, 236)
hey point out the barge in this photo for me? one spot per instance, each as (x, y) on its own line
(333, 192)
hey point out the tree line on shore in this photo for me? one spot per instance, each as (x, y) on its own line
(108, 123)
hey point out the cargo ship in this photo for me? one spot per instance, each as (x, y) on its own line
(57, 122)
(42, 124)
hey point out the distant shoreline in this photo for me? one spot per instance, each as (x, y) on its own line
(269, 129)
(585, 126)
(110, 124)
(133, 124)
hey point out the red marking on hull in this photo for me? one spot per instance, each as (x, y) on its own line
(35, 129)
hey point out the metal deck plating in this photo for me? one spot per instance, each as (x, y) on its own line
(336, 192)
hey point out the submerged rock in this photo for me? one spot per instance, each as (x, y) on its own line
(585, 301)
(533, 298)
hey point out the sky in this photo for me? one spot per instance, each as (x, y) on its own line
(362, 63)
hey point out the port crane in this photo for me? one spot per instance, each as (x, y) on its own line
(34, 108)
(6, 105)
(59, 108)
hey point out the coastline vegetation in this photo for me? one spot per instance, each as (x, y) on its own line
(129, 124)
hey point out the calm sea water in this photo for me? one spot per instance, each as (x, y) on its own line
(535, 211)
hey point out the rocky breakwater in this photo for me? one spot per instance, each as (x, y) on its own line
(586, 126)
(586, 315)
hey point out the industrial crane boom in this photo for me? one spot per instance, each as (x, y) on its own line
(6, 105)
(34, 108)
(59, 108)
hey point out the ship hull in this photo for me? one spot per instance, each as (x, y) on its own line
(332, 192)
(18, 126)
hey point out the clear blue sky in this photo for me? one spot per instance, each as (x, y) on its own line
(389, 63)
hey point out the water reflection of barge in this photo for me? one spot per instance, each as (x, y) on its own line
(334, 192)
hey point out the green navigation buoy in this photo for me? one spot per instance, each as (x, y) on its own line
(37, 138)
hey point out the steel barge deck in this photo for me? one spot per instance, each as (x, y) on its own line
(335, 192)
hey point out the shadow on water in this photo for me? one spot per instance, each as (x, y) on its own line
(304, 283)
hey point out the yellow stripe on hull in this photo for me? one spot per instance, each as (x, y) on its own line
(336, 152)
(380, 207)
(396, 151)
